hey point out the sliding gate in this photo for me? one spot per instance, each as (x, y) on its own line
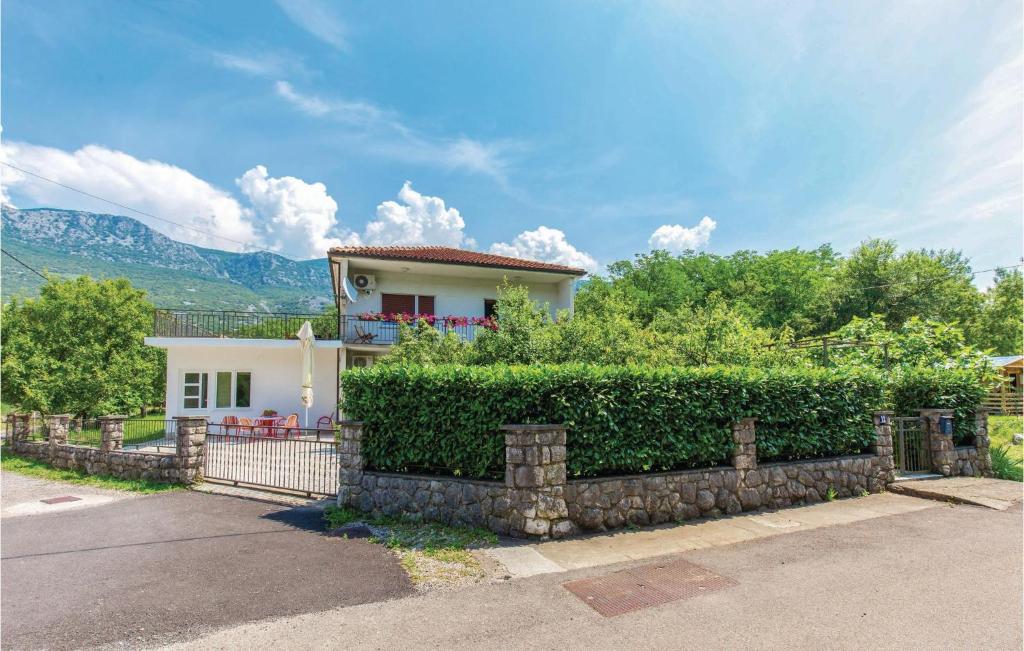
(302, 461)
(910, 448)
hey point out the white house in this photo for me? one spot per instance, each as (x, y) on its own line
(241, 363)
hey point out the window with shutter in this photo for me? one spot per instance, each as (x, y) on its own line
(398, 303)
(426, 305)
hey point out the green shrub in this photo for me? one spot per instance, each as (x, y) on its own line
(1004, 465)
(624, 419)
(962, 391)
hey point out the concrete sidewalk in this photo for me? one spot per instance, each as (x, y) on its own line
(998, 494)
(623, 546)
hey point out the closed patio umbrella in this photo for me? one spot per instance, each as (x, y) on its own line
(306, 340)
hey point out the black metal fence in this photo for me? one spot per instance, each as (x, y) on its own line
(149, 433)
(240, 325)
(910, 448)
(285, 325)
(287, 458)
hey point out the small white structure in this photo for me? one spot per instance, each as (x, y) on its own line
(242, 363)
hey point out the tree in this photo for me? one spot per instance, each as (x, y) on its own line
(1002, 315)
(875, 279)
(79, 349)
(424, 345)
(519, 320)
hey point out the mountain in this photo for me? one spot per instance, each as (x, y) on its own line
(179, 275)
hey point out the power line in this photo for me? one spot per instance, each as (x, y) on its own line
(135, 210)
(13, 257)
(933, 280)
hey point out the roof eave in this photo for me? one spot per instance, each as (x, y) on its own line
(568, 271)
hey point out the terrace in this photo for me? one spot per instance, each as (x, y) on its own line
(364, 329)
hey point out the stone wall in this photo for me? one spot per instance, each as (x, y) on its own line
(536, 500)
(952, 461)
(437, 499)
(184, 465)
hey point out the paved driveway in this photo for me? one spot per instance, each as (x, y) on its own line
(176, 563)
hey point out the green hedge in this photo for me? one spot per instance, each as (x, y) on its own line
(445, 420)
(960, 390)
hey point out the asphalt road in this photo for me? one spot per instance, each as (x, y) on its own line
(176, 564)
(947, 577)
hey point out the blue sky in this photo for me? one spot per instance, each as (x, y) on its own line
(579, 132)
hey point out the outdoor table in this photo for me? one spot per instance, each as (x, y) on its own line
(267, 425)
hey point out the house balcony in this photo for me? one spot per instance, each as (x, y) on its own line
(212, 324)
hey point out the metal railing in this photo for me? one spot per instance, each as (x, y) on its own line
(287, 458)
(240, 325)
(285, 325)
(149, 433)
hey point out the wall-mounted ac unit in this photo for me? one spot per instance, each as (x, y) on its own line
(365, 282)
(362, 361)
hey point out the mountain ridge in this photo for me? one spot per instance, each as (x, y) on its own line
(75, 242)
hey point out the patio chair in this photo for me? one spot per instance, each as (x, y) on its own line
(363, 336)
(245, 426)
(291, 424)
(230, 426)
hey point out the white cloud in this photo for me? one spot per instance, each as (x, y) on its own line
(416, 219)
(346, 111)
(147, 185)
(266, 64)
(546, 245)
(298, 217)
(675, 238)
(286, 214)
(317, 18)
(382, 133)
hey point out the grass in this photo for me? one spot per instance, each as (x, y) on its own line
(1007, 458)
(10, 462)
(431, 553)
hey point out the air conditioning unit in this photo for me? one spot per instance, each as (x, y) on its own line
(362, 361)
(365, 282)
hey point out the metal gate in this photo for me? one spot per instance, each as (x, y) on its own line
(299, 460)
(909, 445)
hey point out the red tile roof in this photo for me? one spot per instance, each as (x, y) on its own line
(449, 255)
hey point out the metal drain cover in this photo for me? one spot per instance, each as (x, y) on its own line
(61, 499)
(645, 586)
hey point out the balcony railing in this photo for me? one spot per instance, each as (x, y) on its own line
(285, 325)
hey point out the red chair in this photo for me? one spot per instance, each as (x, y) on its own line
(291, 424)
(230, 426)
(245, 426)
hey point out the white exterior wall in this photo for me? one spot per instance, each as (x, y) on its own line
(276, 374)
(455, 295)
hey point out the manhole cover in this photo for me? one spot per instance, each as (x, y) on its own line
(61, 499)
(645, 586)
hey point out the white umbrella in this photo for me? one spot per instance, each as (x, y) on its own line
(306, 339)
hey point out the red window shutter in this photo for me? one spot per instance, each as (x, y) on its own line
(398, 303)
(426, 305)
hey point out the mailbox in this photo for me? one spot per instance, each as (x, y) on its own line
(946, 425)
(883, 419)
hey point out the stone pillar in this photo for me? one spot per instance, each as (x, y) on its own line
(111, 432)
(883, 449)
(22, 427)
(535, 481)
(190, 447)
(744, 439)
(350, 461)
(58, 426)
(940, 445)
(982, 441)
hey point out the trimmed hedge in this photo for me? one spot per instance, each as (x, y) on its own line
(960, 390)
(445, 419)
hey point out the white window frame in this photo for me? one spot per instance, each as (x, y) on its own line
(234, 387)
(183, 384)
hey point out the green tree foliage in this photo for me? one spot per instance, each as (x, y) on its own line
(79, 349)
(1002, 314)
(423, 344)
(915, 343)
(876, 279)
